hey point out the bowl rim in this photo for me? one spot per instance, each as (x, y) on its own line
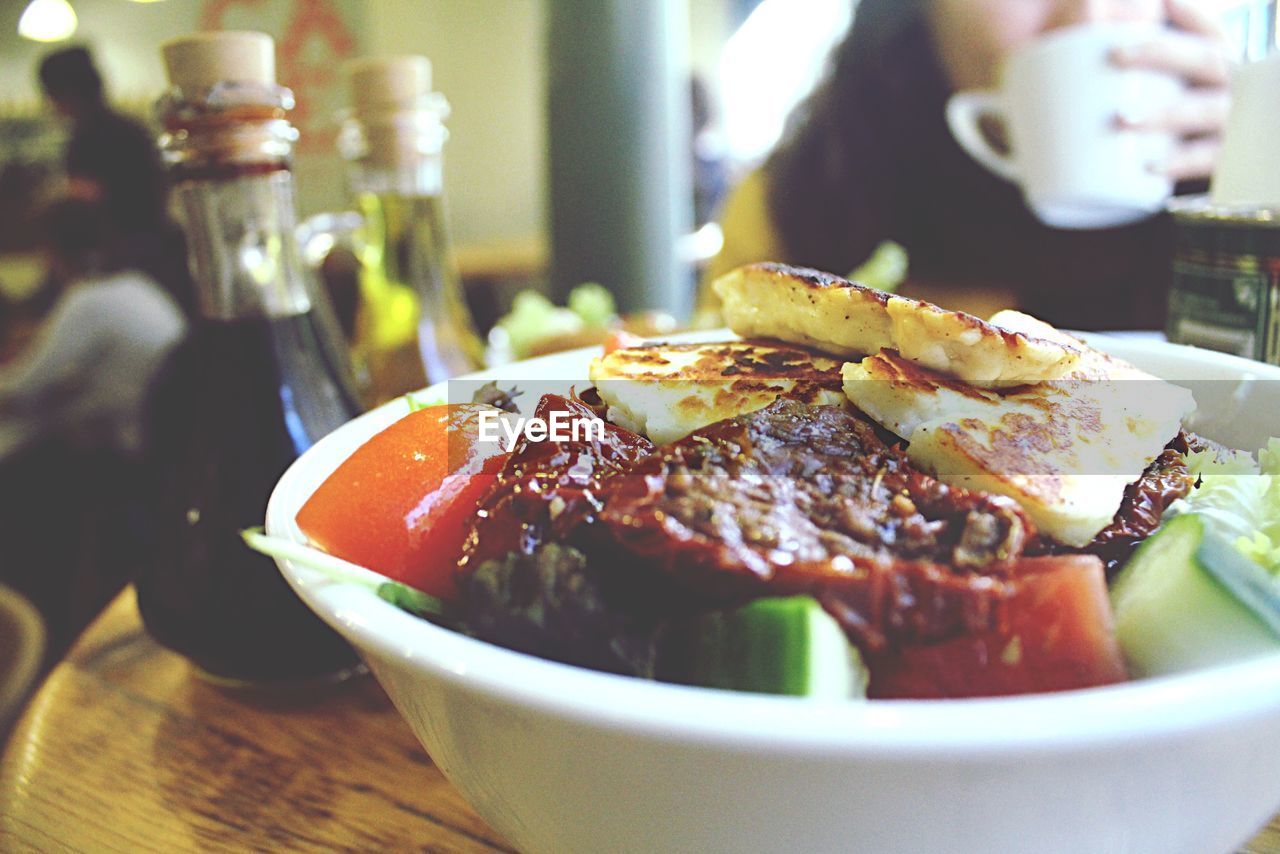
(1142, 710)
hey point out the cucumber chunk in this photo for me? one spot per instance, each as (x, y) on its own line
(787, 645)
(1187, 599)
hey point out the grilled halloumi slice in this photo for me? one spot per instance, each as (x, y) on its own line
(1093, 364)
(837, 316)
(666, 391)
(1064, 450)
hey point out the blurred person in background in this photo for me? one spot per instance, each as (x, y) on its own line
(86, 373)
(71, 423)
(868, 157)
(112, 161)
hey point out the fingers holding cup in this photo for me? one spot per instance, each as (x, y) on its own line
(1193, 160)
(1196, 121)
(1198, 112)
(1195, 51)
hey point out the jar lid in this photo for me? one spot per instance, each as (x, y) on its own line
(1202, 209)
(201, 61)
(386, 85)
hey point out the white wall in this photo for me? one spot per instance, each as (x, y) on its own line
(709, 27)
(489, 61)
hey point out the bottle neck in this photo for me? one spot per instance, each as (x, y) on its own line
(410, 288)
(421, 177)
(241, 241)
(229, 151)
(400, 152)
(395, 171)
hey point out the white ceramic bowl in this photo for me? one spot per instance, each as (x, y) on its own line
(560, 759)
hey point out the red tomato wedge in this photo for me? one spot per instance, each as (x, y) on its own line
(621, 339)
(1059, 635)
(402, 503)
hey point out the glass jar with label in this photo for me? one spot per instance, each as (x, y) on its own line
(1226, 278)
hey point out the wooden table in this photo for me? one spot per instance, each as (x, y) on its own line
(122, 749)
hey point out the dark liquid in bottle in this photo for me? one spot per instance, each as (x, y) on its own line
(238, 402)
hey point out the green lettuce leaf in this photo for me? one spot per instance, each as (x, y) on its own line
(1241, 501)
(1232, 503)
(425, 401)
(1269, 457)
(593, 303)
(1216, 463)
(333, 568)
(336, 569)
(885, 269)
(532, 318)
(410, 599)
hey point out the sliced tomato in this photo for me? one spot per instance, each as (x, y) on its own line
(402, 503)
(1058, 635)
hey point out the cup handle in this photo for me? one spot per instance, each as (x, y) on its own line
(964, 110)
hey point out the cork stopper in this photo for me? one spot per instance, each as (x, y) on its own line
(383, 86)
(202, 60)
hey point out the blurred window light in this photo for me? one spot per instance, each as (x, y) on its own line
(770, 64)
(699, 247)
(47, 21)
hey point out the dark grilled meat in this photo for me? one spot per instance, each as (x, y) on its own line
(546, 489)
(797, 498)
(590, 398)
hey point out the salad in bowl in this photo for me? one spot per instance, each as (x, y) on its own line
(889, 509)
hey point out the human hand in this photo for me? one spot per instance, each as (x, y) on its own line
(1195, 50)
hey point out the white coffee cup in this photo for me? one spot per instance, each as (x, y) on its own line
(1248, 171)
(1059, 99)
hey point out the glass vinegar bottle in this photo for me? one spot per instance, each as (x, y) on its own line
(257, 382)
